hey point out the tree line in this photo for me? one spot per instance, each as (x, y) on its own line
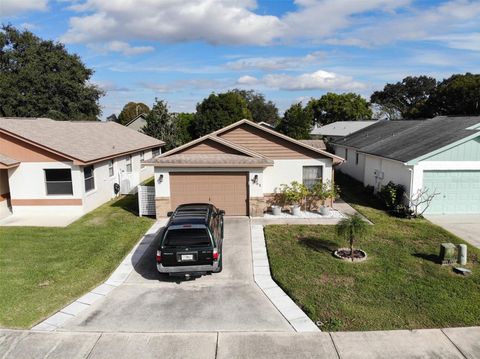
(39, 78)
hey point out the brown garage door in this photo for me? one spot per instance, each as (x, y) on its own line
(226, 190)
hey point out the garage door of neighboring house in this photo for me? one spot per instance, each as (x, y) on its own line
(225, 190)
(459, 191)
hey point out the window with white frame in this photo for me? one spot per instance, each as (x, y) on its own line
(356, 158)
(110, 168)
(155, 152)
(129, 164)
(89, 178)
(142, 156)
(58, 181)
(312, 175)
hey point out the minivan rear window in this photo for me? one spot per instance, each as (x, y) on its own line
(187, 237)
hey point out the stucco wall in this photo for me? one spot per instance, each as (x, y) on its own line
(350, 166)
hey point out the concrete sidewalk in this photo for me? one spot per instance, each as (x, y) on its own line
(465, 226)
(429, 343)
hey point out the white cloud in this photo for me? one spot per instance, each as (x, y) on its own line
(247, 80)
(185, 84)
(15, 7)
(216, 22)
(435, 23)
(274, 63)
(318, 80)
(122, 47)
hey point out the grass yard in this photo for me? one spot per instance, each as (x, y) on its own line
(149, 182)
(400, 286)
(43, 269)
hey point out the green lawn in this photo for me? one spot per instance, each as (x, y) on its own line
(149, 182)
(400, 286)
(43, 269)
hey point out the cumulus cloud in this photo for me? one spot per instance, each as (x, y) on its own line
(16, 7)
(122, 47)
(247, 80)
(216, 22)
(274, 63)
(318, 80)
(436, 23)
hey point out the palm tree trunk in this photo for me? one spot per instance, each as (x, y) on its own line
(351, 247)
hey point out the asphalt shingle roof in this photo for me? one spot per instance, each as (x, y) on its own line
(406, 140)
(341, 128)
(7, 160)
(206, 160)
(81, 140)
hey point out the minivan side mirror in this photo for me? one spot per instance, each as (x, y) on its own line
(221, 212)
(169, 214)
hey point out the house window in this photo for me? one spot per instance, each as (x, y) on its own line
(312, 175)
(110, 168)
(129, 163)
(142, 156)
(89, 179)
(155, 152)
(346, 154)
(58, 181)
(356, 158)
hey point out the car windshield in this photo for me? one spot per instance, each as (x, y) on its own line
(187, 237)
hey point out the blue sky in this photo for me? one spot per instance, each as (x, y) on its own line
(182, 50)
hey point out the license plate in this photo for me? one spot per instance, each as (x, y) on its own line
(187, 257)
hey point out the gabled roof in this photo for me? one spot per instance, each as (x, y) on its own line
(80, 141)
(209, 160)
(7, 162)
(408, 140)
(341, 128)
(315, 143)
(142, 116)
(279, 135)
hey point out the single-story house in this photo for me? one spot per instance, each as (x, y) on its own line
(49, 166)
(441, 154)
(138, 122)
(237, 168)
(337, 130)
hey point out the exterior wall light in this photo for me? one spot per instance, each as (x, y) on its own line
(255, 179)
(160, 179)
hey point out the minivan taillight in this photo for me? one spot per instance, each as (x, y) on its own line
(215, 254)
(159, 257)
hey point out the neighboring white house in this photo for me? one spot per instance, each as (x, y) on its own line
(339, 129)
(237, 168)
(440, 154)
(57, 166)
(137, 123)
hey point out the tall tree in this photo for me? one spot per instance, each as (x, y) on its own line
(297, 122)
(407, 99)
(161, 124)
(39, 78)
(457, 95)
(333, 107)
(132, 110)
(184, 126)
(217, 111)
(261, 109)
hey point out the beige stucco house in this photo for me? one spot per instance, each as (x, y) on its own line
(49, 166)
(237, 168)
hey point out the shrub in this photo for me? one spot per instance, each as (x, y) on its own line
(294, 194)
(391, 195)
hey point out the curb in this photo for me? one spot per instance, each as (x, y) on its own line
(261, 272)
(118, 277)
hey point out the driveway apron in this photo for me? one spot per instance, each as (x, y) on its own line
(152, 302)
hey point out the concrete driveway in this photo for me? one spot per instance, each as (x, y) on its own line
(151, 302)
(465, 226)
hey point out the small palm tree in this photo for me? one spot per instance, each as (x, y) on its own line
(352, 228)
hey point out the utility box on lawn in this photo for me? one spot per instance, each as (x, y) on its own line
(447, 253)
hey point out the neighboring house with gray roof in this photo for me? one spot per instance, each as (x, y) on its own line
(56, 166)
(441, 154)
(340, 129)
(138, 122)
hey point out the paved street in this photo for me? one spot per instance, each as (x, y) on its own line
(151, 302)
